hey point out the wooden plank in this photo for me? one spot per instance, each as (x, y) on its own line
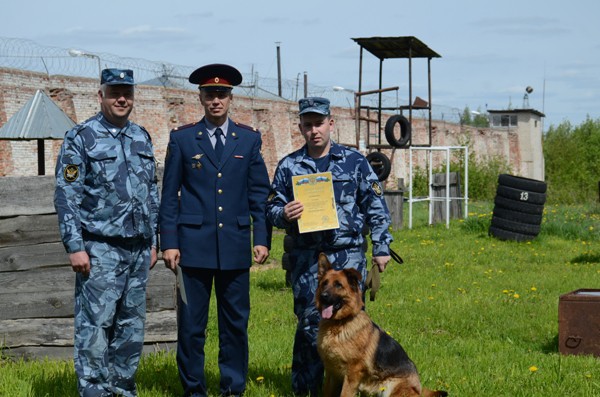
(160, 293)
(28, 257)
(48, 292)
(394, 200)
(29, 230)
(27, 195)
(66, 352)
(41, 293)
(439, 193)
(53, 338)
(160, 327)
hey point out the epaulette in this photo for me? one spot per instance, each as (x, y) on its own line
(75, 130)
(146, 131)
(181, 127)
(247, 127)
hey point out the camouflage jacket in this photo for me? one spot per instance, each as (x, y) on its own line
(358, 195)
(106, 183)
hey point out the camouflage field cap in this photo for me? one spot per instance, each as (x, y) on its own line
(314, 105)
(117, 76)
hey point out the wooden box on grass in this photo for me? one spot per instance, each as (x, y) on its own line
(579, 322)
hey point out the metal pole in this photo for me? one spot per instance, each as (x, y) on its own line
(305, 84)
(410, 189)
(448, 188)
(278, 69)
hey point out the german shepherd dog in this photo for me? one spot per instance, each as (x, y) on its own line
(359, 357)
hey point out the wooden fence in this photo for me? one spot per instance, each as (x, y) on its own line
(37, 283)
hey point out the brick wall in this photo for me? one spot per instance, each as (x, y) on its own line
(161, 109)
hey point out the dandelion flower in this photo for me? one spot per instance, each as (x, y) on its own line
(533, 368)
(533, 289)
(516, 296)
(260, 378)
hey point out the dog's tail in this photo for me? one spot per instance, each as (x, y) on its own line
(433, 393)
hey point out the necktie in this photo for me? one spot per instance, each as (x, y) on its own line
(218, 143)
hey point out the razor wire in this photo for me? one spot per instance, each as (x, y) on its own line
(24, 54)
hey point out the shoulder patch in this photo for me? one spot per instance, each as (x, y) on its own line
(71, 172)
(181, 127)
(376, 187)
(247, 127)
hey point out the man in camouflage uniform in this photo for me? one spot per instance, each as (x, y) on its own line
(359, 199)
(107, 203)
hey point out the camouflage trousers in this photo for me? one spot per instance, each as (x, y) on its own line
(307, 368)
(110, 311)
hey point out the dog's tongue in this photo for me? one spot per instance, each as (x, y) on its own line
(327, 312)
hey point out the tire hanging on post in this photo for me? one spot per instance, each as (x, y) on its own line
(405, 131)
(381, 164)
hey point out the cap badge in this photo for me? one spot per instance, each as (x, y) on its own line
(216, 80)
(122, 75)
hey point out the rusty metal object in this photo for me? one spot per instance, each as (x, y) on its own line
(579, 322)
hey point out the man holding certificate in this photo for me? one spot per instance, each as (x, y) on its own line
(323, 194)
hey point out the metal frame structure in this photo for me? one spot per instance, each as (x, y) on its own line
(408, 47)
(430, 197)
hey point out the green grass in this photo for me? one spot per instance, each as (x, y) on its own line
(478, 316)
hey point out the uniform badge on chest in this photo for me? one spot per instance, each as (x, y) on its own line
(197, 164)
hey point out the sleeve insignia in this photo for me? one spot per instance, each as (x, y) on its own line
(71, 173)
(377, 188)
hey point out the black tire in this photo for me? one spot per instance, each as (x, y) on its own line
(521, 183)
(380, 164)
(405, 131)
(288, 243)
(521, 195)
(513, 226)
(532, 219)
(508, 235)
(519, 206)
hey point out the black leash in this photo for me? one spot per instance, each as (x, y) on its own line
(373, 281)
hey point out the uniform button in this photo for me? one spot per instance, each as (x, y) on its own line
(220, 225)
(220, 209)
(219, 175)
(220, 191)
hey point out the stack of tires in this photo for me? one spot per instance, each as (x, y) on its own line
(518, 208)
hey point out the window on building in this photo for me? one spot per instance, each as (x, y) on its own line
(504, 120)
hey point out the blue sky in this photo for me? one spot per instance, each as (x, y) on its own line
(491, 51)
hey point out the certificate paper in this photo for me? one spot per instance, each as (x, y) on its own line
(315, 192)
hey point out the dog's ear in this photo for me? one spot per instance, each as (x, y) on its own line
(353, 277)
(324, 265)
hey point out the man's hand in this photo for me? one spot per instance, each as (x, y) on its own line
(293, 211)
(171, 258)
(261, 253)
(381, 261)
(80, 262)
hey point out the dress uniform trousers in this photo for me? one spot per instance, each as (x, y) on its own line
(232, 289)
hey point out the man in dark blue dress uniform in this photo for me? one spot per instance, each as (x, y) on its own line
(212, 225)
